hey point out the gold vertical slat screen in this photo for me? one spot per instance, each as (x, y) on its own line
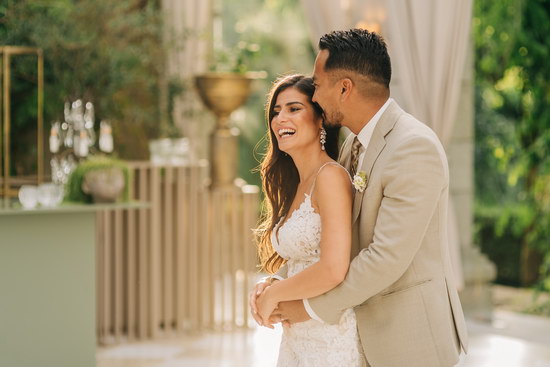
(184, 264)
(143, 240)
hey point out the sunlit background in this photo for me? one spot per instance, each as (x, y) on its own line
(167, 272)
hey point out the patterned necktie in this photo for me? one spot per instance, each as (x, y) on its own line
(355, 149)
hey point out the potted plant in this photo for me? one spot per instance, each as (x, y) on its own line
(227, 85)
(99, 179)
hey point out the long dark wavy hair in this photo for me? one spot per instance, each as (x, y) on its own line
(279, 174)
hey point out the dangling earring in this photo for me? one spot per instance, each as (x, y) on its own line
(323, 138)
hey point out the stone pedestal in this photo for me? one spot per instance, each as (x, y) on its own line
(223, 93)
(476, 296)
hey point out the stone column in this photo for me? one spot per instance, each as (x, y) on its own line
(478, 271)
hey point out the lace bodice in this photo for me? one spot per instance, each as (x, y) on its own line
(298, 239)
(312, 343)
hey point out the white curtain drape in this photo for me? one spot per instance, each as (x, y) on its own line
(187, 26)
(325, 16)
(428, 42)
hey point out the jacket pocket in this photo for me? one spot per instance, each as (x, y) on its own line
(405, 287)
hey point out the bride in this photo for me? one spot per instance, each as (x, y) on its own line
(307, 225)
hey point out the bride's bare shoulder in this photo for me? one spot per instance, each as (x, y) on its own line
(333, 181)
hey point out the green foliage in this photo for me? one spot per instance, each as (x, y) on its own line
(74, 184)
(107, 52)
(541, 296)
(236, 59)
(499, 236)
(539, 308)
(513, 123)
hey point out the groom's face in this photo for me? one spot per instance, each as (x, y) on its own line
(326, 91)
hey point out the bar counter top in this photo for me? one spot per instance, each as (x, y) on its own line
(15, 208)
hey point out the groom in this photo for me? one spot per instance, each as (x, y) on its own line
(400, 281)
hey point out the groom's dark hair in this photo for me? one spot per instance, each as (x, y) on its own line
(360, 51)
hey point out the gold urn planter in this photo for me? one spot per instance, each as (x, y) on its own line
(223, 93)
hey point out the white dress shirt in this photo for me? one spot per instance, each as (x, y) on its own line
(364, 137)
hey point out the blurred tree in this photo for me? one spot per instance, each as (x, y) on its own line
(530, 53)
(106, 52)
(111, 54)
(512, 128)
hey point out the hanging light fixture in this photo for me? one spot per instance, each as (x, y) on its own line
(373, 15)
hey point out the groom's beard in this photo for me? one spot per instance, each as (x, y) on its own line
(334, 119)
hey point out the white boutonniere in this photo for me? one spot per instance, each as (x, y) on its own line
(360, 181)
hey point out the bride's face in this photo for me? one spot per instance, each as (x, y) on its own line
(295, 124)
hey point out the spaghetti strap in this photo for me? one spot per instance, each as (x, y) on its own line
(319, 171)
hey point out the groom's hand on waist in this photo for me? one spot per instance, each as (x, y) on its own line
(291, 312)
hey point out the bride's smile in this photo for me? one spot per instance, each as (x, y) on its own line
(294, 122)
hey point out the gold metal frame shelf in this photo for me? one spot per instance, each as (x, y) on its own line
(6, 52)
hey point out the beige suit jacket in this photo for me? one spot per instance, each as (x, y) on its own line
(400, 281)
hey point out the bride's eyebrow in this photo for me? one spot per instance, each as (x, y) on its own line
(295, 102)
(289, 104)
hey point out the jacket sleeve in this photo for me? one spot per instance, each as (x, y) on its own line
(413, 179)
(282, 273)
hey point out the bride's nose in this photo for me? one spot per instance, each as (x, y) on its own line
(282, 117)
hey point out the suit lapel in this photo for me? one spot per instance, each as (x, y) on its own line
(375, 147)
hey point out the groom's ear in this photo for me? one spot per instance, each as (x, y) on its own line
(346, 87)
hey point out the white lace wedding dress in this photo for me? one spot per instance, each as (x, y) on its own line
(312, 343)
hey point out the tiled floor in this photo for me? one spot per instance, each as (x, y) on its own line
(512, 340)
